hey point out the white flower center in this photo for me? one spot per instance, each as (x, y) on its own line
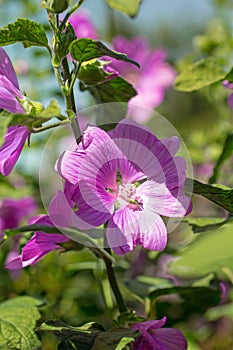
(127, 191)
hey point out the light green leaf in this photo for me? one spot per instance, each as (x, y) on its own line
(202, 73)
(220, 195)
(123, 342)
(87, 49)
(130, 7)
(18, 318)
(226, 153)
(209, 253)
(3, 128)
(205, 224)
(25, 31)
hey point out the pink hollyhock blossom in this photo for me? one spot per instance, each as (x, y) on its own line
(229, 85)
(37, 247)
(153, 337)
(82, 25)
(150, 81)
(16, 135)
(13, 211)
(126, 178)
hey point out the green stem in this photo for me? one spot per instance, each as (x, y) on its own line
(69, 13)
(113, 283)
(54, 125)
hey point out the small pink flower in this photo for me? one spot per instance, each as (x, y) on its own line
(229, 85)
(16, 135)
(37, 247)
(153, 337)
(127, 179)
(151, 81)
(82, 25)
(14, 210)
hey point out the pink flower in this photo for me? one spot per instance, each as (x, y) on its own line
(153, 337)
(82, 25)
(16, 135)
(126, 179)
(229, 85)
(13, 211)
(37, 247)
(150, 81)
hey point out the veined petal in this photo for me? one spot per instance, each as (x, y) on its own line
(170, 338)
(157, 198)
(153, 232)
(143, 327)
(8, 94)
(12, 147)
(122, 231)
(7, 69)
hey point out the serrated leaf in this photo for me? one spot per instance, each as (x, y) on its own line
(202, 73)
(25, 31)
(209, 253)
(220, 195)
(18, 318)
(226, 153)
(130, 7)
(87, 49)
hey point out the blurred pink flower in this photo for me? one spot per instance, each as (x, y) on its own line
(150, 81)
(126, 178)
(229, 85)
(153, 337)
(82, 25)
(14, 210)
(16, 135)
(37, 247)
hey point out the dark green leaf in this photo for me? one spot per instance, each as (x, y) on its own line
(221, 196)
(130, 7)
(87, 49)
(91, 336)
(56, 6)
(92, 72)
(190, 299)
(18, 318)
(209, 253)
(114, 90)
(202, 73)
(226, 153)
(25, 31)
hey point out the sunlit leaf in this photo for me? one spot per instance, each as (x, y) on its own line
(25, 31)
(202, 73)
(87, 49)
(130, 7)
(18, 318)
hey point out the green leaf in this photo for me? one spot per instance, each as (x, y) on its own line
(226, 153)
(219, 311)
(92, 72)
(114, 90)
(189, 298)
(205, 224)
(209, 253)
(220, 195)
(130, 7)
(36, 116)
(87, 49)
(91, 336)
(25, 31)
(18, 318)
(202, 73)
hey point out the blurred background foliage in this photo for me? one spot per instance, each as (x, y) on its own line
(74, 285)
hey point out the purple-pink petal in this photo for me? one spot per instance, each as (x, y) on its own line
(11, 148)
(6, 68)
(82, 25)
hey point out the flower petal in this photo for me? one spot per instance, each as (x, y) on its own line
(122, 231)
(12, 147)
(6, 68)
(170, 339)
